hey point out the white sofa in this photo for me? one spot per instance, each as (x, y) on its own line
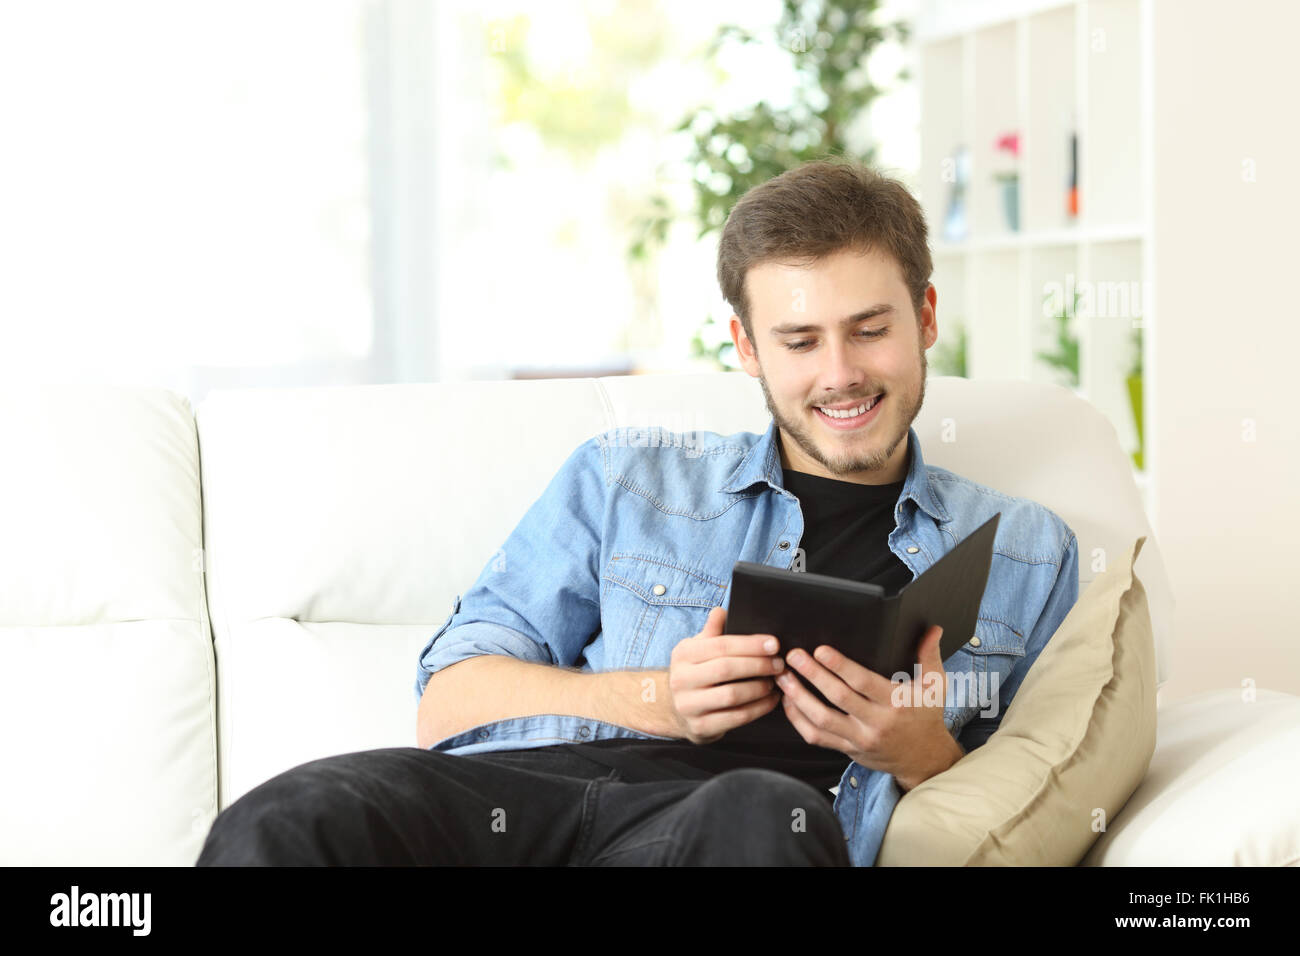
(192, 603)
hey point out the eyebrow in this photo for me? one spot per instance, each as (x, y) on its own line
(790, 327)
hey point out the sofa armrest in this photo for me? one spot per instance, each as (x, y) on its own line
(1221, 789)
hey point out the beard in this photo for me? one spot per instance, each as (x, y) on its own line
(906, 405)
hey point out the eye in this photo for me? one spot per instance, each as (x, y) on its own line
(802, 344)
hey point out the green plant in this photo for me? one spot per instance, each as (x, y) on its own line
(1065, 355)
(1134, 382)
(948, 357)
(712, 339)
(585, 111)
(828, 43)
(580, 108)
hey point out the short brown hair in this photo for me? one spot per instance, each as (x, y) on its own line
(814, 210)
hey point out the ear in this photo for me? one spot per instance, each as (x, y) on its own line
(744, 347)
(929, 324)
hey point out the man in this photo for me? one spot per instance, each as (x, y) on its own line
(581, 703)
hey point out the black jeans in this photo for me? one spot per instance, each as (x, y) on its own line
(564, 804)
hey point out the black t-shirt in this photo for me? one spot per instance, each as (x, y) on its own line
(846, 531)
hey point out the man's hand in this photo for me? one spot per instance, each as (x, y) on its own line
(907, 738)
(701, 705)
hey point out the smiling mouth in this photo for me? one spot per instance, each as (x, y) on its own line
(861, 410)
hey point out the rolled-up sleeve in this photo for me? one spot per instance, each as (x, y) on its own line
(1064, 594)
(538, 597)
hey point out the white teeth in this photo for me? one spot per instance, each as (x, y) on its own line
(849, 412)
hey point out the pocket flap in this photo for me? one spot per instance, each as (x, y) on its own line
(658, 580)
(995, 638)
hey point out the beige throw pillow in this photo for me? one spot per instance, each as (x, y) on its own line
(1071, 749)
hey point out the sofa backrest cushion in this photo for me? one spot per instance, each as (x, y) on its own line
(107, 678)
(341, 523)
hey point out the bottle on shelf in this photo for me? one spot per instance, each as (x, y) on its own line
(1072, 187)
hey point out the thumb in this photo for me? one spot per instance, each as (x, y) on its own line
(929, 652)
(716, 621)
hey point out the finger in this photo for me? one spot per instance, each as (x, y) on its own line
(719, 722)
(928, 653)
(934, 672)
(729, 718)
(930, 658)
(715, 622)
(833, 688)
(873, 686)
(810, 732)
(824, 717)
(927, 656)
(709, 647)
(707, 700)
(723, 669)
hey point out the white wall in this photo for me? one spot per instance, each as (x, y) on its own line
(1226, 348)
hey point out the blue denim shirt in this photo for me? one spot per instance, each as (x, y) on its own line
(634, 539)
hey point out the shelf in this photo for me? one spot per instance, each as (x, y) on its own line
(1046, 237)
(950, 18)
(1067, 79)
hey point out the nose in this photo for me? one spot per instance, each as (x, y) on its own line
(842, 376)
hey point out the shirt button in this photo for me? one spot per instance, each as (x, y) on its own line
(483, 734)
(784, 545)
(913, 550)
(853, 781)
(584, 732)
(974, 642)
(659, 589)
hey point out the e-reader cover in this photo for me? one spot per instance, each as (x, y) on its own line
(880, 631)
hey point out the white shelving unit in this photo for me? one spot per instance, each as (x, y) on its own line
(1042, 70)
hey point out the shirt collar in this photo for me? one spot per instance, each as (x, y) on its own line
(763, 463)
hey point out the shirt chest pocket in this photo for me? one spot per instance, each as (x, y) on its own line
(977, 671)
(648, 604)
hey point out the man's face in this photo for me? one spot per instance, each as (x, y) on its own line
(806, 355)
